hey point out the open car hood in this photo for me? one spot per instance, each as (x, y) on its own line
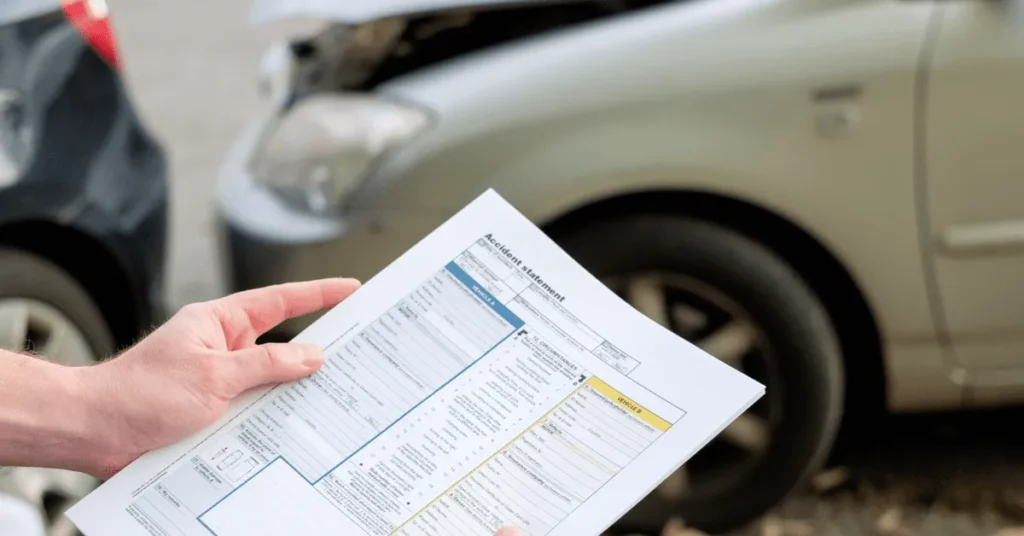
(360, 11)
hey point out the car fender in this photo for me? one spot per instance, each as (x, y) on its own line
(52, 61)
(548, 172)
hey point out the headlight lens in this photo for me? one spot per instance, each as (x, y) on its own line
(320, 150)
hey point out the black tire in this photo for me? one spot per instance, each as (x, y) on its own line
(810, 383)
(24, 275)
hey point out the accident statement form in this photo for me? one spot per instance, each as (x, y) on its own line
(483, 379)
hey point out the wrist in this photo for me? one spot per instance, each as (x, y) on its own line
(105, 429)
(82, 419)
(45, 417)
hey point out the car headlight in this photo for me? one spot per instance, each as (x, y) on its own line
(321, 149)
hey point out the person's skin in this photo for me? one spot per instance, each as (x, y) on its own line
(175, 382)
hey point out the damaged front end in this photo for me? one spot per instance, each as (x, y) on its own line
(361, 49)
(330, 128)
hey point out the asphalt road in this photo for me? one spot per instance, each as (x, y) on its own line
(192, 69)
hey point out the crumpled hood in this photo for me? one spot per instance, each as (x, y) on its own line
(360, 11)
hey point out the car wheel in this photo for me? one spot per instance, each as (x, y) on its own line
(45, 311)
(743, 304)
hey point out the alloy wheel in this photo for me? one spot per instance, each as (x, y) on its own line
(33, 326)
(714, 322)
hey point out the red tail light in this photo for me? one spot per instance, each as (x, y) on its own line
(92, 20)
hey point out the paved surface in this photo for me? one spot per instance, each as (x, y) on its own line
(934, 475)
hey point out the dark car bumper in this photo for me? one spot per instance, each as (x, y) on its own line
(130, 217)
(92, 196)
(143, 245)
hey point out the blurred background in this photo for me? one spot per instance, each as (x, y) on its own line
(181, 54)
(825, 194)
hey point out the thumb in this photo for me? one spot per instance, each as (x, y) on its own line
(266, 364)
(508, 531)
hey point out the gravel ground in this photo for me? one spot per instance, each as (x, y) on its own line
(191, 66)
(937, 475)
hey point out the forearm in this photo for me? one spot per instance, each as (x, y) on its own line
(46, 417)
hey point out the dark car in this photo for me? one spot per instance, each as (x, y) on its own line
(83, 202)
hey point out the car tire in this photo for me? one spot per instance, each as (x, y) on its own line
(56, 300)
(24, 275)
(806, 385)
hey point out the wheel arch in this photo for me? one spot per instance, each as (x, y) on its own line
(831, 281)
(103, 277)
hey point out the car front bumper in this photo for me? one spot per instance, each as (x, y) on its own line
(265, 241)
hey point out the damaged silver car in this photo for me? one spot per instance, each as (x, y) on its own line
(782, 182)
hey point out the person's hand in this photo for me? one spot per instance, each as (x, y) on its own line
(507, 531)
(182, 377)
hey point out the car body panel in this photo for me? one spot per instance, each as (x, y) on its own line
(93, 169)
(553, 143)
(975, 190)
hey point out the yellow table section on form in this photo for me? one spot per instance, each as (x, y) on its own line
(629, 405)
(537, 479)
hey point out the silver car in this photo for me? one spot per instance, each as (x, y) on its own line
(824, 194)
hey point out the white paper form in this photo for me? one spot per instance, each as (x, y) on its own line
(483, 379)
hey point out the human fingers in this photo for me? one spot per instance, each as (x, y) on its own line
(507, 531)
(266, 364)
(266, 307)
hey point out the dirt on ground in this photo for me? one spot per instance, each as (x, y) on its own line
(897, 509)
(934, 475)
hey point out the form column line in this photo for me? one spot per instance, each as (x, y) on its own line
(491, 457)
(418, 404)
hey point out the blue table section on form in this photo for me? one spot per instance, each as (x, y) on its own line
(413, 350)
(465, 406)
